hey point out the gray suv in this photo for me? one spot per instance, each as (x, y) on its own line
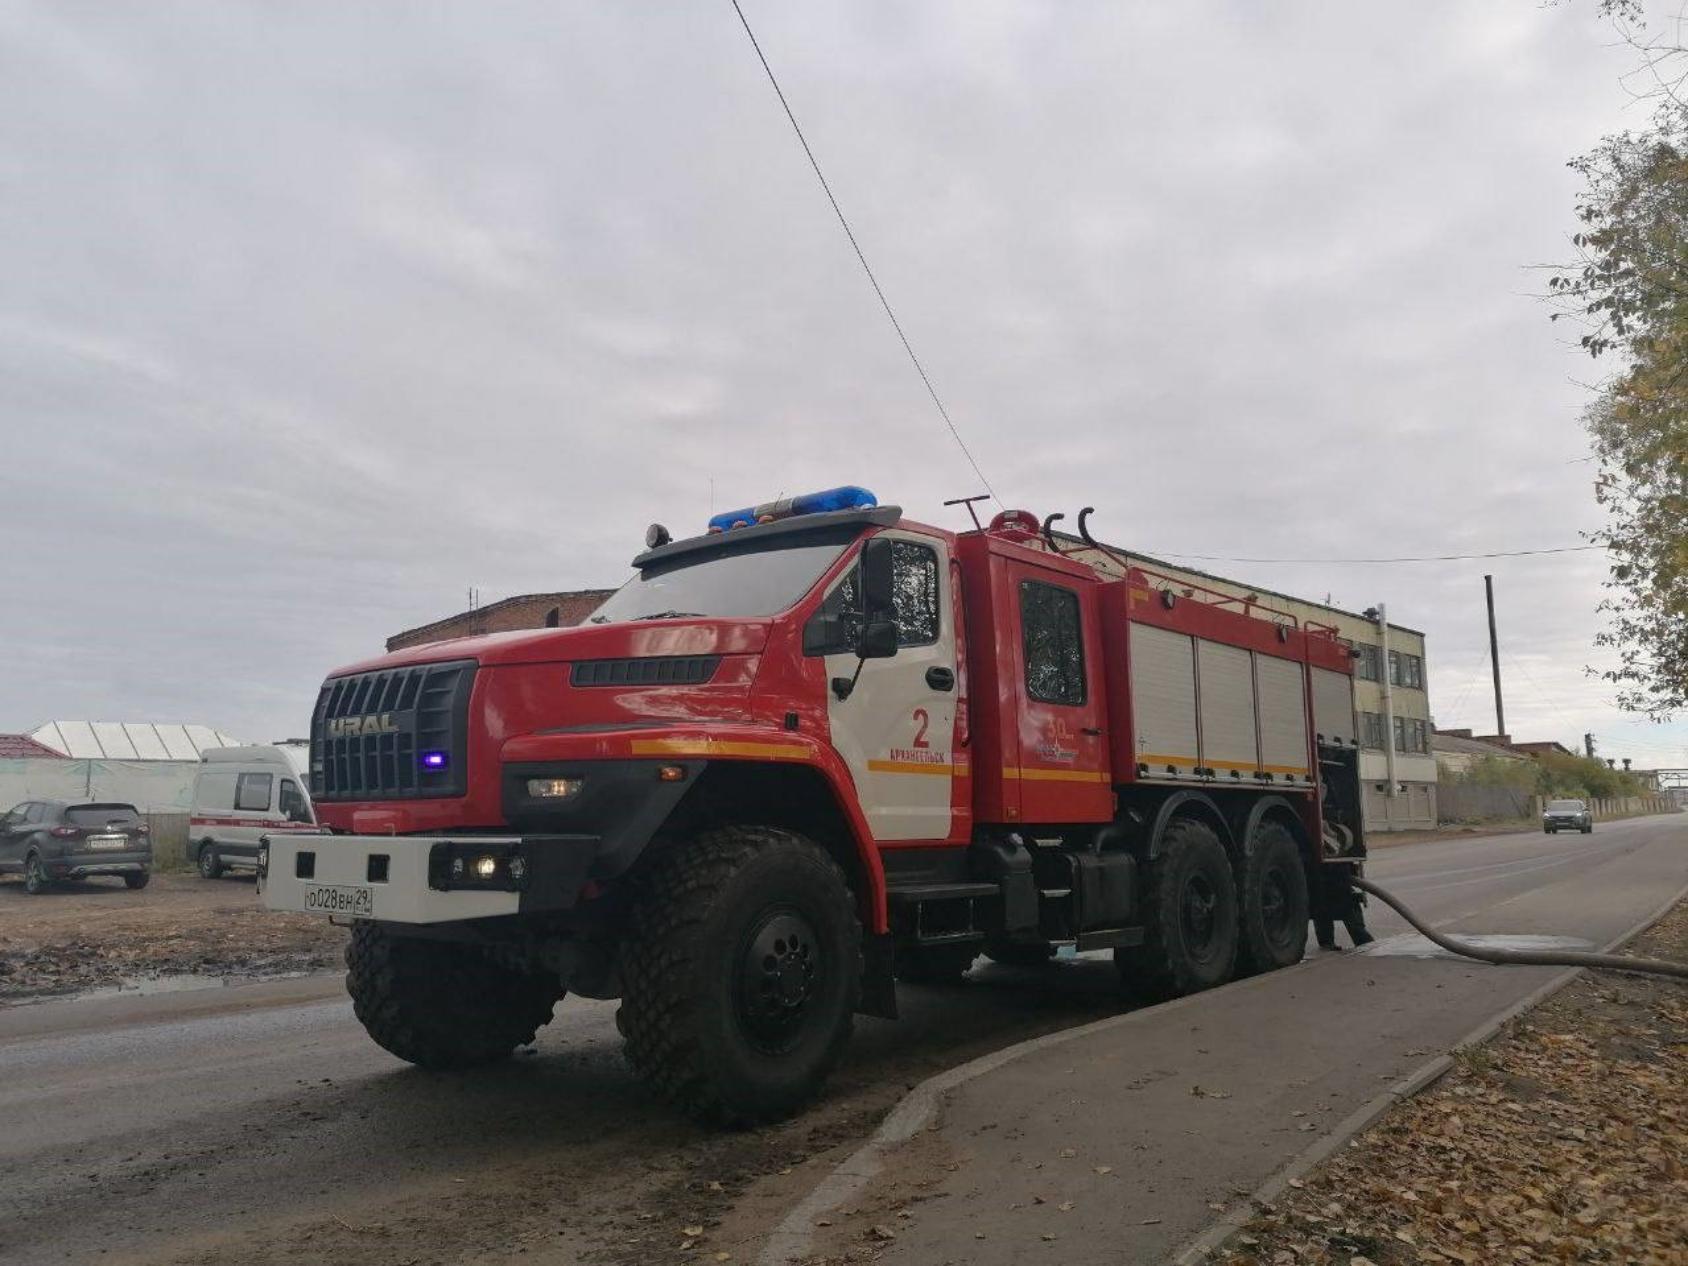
(51, 839)
(1567, 815)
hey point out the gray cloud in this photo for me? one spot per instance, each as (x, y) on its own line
(316, 315)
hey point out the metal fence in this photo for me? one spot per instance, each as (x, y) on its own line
(1469, 802)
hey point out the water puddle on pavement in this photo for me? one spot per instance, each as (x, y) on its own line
(1412, 945)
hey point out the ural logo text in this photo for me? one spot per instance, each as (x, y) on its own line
(352, 727)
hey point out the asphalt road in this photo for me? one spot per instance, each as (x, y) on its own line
(258, 1123)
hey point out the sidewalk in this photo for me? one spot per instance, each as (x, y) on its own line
(1121, 1141)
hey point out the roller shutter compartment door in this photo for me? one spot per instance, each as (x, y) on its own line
(1227, 708)
(1333, 707)
(1283, 716)
(1163, 699)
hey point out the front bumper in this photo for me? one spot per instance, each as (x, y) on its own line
(412, 879)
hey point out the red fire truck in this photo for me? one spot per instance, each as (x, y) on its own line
(811, 751)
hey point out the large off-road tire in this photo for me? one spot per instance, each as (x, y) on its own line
(438, 1004)
(936, 964)
(136, 880)
(35, 880)
(740, 974)
(1272, 902)
(1019, 953)
(1190, 917)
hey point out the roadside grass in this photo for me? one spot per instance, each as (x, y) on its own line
(1564, 1139)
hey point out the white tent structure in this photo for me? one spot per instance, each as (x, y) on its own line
(148, 765)
(130, 740)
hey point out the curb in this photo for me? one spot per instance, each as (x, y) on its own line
(793, 1238)
(1201, 1249)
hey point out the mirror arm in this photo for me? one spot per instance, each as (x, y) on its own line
(844, 687)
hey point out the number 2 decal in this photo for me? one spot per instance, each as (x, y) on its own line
(921, 720)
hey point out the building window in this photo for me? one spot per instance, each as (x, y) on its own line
(1365, 663)
(1371, 730)
(1412, 735)
(1054, 646)
(1406, 670)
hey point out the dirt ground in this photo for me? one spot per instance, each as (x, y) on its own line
(96, 933)
(1563, 1140)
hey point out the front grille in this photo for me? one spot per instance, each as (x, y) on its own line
(371, 731)
(655, 670)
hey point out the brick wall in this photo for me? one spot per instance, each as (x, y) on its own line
(527, 611)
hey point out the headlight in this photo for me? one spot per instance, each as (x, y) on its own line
(554, 788)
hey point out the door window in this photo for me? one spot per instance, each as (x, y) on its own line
(292, 803)
(37, 811)
(914, 587)
(253, 792)
(1054, 643)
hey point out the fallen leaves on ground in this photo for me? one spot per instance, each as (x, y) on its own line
(1565, 1140)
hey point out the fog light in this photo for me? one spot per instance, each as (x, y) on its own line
(518, 869)
(554, 788)
(486, 867)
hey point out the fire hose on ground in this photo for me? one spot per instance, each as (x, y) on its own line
(1530, 958)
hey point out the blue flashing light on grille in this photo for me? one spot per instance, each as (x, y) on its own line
(848, 497)
(433, 762)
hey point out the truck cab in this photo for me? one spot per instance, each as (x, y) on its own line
(811, 750)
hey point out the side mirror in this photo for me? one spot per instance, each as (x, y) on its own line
(879, 593)
(878, 640)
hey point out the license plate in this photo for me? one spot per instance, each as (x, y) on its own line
(108, 841)
(340, 899)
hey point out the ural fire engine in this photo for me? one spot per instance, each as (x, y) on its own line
(813, 750)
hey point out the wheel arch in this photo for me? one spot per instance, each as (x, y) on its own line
(1198, 806)
(1272, 809)
(798, 796)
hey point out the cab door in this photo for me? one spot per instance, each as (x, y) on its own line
(1064, 771)
(896, 729)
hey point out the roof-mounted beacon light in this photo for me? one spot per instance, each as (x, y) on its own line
(848, 497)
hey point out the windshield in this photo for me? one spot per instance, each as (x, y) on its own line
(1572, 805)
(762, 578)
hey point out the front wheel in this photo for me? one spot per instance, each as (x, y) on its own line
(34, 875)
(439, 1004)
(1190, 938)
(1589, 829)
(210, 863)
(741, 974)
(133, 882)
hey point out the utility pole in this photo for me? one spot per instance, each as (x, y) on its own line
(1588, 745)
(1494, 656)
(1388, 698)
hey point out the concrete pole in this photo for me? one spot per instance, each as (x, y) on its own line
(1388, 699)
(1494, 654)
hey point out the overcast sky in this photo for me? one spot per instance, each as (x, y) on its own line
(315, 315)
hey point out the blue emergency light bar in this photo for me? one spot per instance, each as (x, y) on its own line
(849, 497)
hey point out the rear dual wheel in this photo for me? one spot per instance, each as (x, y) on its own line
(1190, 904)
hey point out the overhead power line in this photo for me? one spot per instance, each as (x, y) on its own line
(1416, 558)
(856, 246)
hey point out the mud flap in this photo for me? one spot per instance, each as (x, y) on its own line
(879, 984)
